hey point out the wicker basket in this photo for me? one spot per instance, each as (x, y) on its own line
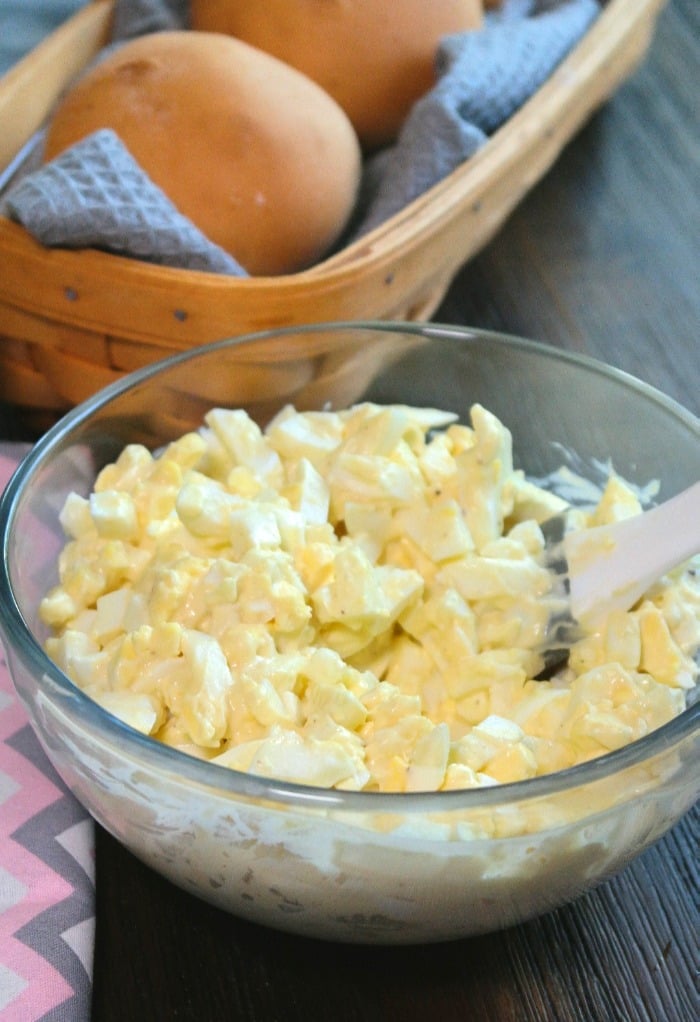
(73, 321)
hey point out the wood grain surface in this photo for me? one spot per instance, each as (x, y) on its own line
(602, 258)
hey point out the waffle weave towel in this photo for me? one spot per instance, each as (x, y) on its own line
(483, 78)
(97, 195)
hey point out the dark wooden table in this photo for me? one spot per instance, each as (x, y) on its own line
(602, 258)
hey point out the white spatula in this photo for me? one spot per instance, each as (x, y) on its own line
(610, 567)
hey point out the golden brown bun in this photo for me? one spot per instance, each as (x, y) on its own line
(375, 58)
(260, 158)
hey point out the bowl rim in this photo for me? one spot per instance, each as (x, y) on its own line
(19, 639)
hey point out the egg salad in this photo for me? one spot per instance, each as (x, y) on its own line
(353, 599)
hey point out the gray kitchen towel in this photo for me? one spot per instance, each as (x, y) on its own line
(136, 17)
(95, 194)
(483, 77)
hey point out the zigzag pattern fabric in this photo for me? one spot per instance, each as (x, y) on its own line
(47, 890)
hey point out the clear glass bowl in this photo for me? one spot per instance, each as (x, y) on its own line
(355, 867)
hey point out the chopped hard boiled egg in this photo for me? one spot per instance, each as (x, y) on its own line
(352, 599)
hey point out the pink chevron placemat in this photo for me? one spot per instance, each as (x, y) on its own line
(47, 888)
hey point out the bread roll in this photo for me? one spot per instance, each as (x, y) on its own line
(376, 59)
(259, 157)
